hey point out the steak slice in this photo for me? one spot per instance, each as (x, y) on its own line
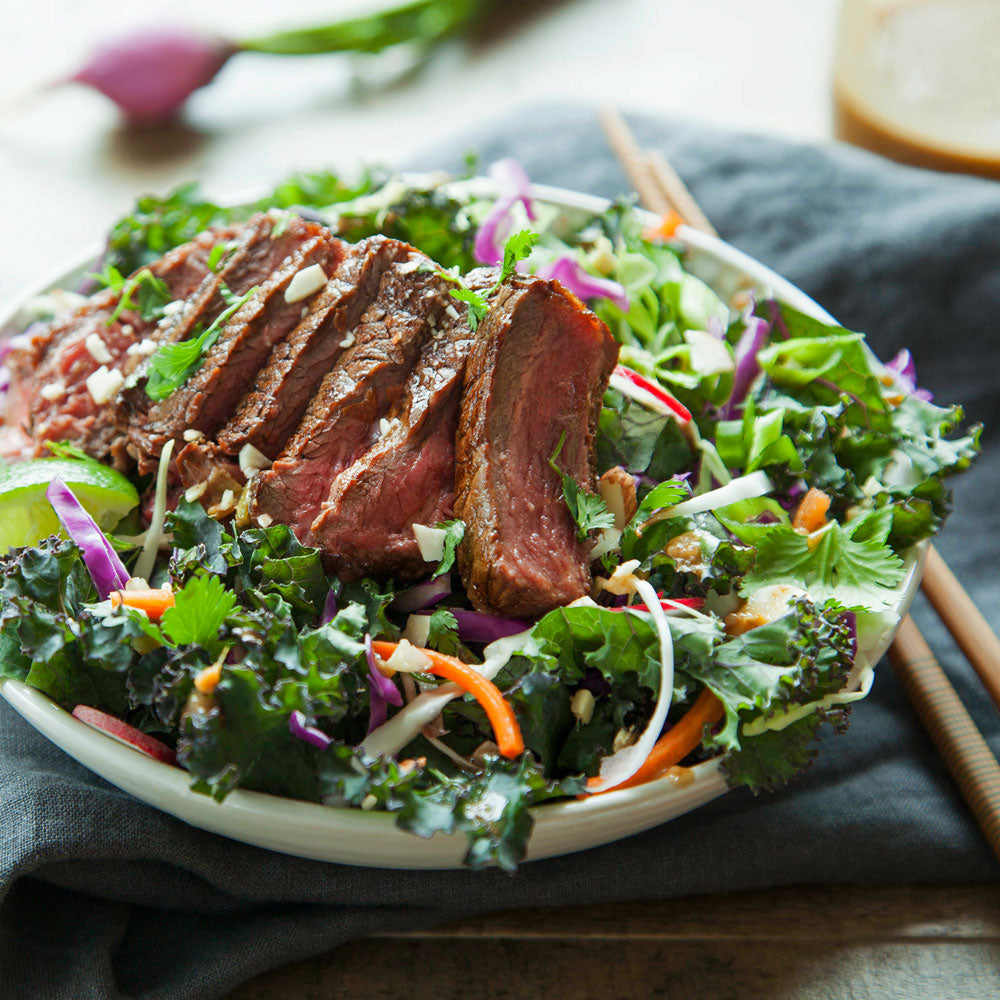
(343, 418)
(51, 367)
(207, 399)
(269, 413)
(537, 371)
(408, 476)
(203, 466)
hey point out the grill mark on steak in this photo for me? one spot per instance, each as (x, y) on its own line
(538, 370)
(58, 356)
(342, 420)
(208, 397)
(408, 476)
(268, 415)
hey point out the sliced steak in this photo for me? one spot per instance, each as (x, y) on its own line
(408, 476)
(538, 371)
(343, 418)
(207, 399)
(52, 365)
(204, 468)
(268, 415)
(254, 253)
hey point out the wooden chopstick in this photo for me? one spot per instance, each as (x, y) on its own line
(966, 754)
(965, 621)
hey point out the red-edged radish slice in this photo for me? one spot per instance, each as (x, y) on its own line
(648, 393)
(124, 733)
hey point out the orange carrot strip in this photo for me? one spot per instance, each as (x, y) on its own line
(207, 680)
(811, 513)
(666, 229)
(498, 709)
(153, 602)
(673, 746)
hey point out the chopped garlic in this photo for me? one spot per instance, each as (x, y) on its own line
(252, 460)
(451, 311)
(348, 341)
(369, 802)
(193, 434)
(143, 349)
(52, 391)
(196, 492)
(582, 705)
(103, 384)
(265, 520)
(172, 308)
(228, 500)
(409, 267)
(306, 282)
(97, 349)
(430, 541)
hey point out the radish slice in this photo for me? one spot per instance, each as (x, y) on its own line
(124, 733)
(407, 723)
(621, 766)
(745, 488)
(648, 393)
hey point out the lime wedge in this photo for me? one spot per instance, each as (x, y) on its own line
(27, 516)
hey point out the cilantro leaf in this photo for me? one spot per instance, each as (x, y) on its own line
(850, 563)
(152, 291)
(173, 364)
(200, 608)
(476, 303)
(442, 634)
(454, 532)
(588, 510)
(517, 248)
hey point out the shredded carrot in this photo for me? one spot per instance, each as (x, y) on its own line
(666, 228)
(811, 513)
(207, 680)
(153, 602)
(674, 745)
(498, 709)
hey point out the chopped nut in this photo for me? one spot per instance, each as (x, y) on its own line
(265, 520)
(624, 738)
(193, 434)
(582, 705)
(53, 391)
(369, 802)
(196, 492)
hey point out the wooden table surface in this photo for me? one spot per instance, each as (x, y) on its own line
(826, 943)
(68, 169)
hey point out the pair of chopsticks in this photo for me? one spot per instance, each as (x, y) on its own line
(966, 754)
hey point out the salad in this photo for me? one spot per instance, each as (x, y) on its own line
(763, 476)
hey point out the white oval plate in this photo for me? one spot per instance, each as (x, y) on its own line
(351, 836)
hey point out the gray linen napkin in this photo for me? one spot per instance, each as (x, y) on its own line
(102, 896)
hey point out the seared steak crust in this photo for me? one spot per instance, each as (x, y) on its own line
(537, 372)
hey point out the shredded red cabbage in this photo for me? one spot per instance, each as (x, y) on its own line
(106, 569)
(422, 595)
(299, 727)
(329, 608)
(753, 338)
(381, 689)
(514, 186)
(478, 626)
(568, 271)
(904, 376)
